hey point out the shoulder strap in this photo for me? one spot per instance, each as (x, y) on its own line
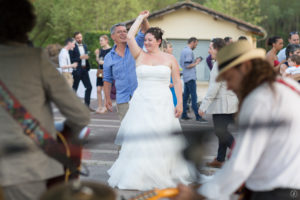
(288, 85)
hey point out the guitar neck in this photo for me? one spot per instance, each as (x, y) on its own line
(159, 193)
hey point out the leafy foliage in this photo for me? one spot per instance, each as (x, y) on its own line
(59, 19)
(247, 10)
(277, 17)
(283, 18)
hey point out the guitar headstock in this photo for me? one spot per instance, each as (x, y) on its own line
(156, 194)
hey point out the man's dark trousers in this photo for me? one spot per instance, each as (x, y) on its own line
(190, 89)
(221, 122)
(83, 75)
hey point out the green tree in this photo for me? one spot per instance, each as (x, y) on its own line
(156, 4)
(57, 20)
(247, 10)
(277, 17)
(283, 17)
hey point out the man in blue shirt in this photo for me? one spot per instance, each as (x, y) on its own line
(188, 64)
(119, 65)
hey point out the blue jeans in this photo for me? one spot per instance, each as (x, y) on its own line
(83, 75)
(190, 89)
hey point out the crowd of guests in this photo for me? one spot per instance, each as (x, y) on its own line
(74, 64)
(73, 60)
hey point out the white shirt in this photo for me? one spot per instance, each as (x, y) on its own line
(293, 70)
(64, 60)
(82, 52)
(265, 158)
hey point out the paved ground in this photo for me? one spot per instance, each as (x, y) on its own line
(101, 152)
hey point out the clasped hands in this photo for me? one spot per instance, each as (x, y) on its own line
(144, 14)
(84, 57)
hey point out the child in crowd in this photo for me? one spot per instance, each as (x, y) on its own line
(294, 65)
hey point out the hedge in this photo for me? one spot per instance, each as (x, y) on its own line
(91, 39)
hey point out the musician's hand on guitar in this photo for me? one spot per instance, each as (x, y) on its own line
(187, 193)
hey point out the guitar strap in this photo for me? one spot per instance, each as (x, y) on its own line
(32, 128)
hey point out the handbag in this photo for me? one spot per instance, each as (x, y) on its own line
(99, 73)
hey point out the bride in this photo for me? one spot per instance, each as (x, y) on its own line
(150, 156)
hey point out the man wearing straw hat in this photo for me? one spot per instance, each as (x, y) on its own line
(266, 159)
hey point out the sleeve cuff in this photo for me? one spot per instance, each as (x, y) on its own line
(108, 80)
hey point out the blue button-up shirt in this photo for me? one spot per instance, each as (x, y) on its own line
(122, 70)
(187, 58)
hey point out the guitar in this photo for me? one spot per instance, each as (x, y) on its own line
(157, 194)
(72, 149)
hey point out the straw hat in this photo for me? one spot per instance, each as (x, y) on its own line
(236, 53)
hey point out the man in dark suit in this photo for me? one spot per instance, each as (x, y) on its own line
(80, 55)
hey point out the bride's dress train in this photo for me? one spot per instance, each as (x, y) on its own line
(150, 155)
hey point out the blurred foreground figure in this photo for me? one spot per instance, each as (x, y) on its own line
(35, 83)
(77, 190)
(266, 159)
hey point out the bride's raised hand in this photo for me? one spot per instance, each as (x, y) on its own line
(178, 110)
(145, 13)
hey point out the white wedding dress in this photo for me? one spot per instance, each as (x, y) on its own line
(150, 155)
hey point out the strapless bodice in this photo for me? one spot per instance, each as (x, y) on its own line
(153, 75)
(153, 83)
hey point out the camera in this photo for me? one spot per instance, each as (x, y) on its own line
(199, 57)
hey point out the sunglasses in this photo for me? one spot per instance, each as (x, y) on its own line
(116, 25)
(119, 24)
(294, 33)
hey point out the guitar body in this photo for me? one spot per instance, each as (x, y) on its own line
(73, 150)
(156, 194)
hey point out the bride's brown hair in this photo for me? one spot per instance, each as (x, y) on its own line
(156, 32)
